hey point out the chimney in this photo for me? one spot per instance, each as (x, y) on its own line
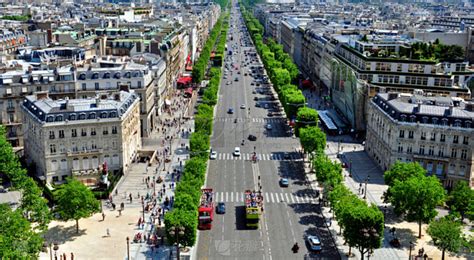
(451, 109)
(124, 87)
(117, 97)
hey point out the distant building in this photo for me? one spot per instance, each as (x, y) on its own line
(435, 131)
(75, 137)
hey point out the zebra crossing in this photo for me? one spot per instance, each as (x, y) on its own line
(268, 197)
(261, 157)
(253, 120)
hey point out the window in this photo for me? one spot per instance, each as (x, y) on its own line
(442, 138)
(51, 134)
(409, 150)
(454, 153)
(11, 118)
(431, 150)
(114, 130)
(400, 148)
(462, 170)
(93, 131)
(52, 148)
(433, 137)
(410, 134)
(465, 140)
(84, 86)
(73, 133)
(105, 130)
(463, 154)
(402, 134)
(83, 132)
(423, 136)
(96, 85)
(139, 84)
(10, 104)
(441, 152)
(422, 150)
(114, 145)
(61, 133)
(55, 178)
(455, 139)
(451, 168)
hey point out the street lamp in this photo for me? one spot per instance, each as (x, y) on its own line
(366, 181)
(128, 248)
(55, 248)
(411, 247)
(369, 234)
(45, 246)
(176, 232)
(350, 168)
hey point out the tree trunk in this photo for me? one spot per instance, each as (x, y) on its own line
(350, 251)
(361, 254)
(77, 226)
(442, 254)
(419, 229)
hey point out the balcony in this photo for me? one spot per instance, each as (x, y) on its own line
(97, 151)
(430, 157)
(11, 109)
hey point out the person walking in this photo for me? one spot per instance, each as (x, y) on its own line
(103, 216)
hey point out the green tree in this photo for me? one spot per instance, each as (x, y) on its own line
(417, 198)
(306, 116)
(327, 171)
(461, 198)
(34, 205)
(446, 235)
(199, 144)
(363, 227)
(401, 171)
(18, 240)
(182, 218)
(281, 77)
(312, 139)
(75, 201)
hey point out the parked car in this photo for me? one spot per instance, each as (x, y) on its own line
(314, 243)
(284, 182)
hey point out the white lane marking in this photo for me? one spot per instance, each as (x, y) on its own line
(292, 197)
(226, 196)
(271, 194)
(231, 196)
(237, 197)
(282, 199)
(286, 196)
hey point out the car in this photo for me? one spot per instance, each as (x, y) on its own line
(230, 111)
(254, 92)
(286, 156)
(228, 83)
(245, 74)
(220, 209)
(257, 104)
(242, 106)
(314, 243)
(252, 138)
(284, 182)
(238, 72)
(213, 155)
(251, 83)
(236, 79)
(269, 127)
(236, 151)
(266, 106)
(270, 114)
(225, 76)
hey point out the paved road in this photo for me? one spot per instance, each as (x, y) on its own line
(289, 213)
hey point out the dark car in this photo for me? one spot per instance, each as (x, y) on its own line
(252, 138)
(230, 111)
(286, 156)
(284, 182)
(220, 209)
(255, 98)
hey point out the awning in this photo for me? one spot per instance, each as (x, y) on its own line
(185, 80)
(327, 120)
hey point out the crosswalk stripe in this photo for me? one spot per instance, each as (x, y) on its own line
(292, 198)
(237, 197)
(271, 194)
(286, 196)
(226, 196)
(297, 199)
(231, 196)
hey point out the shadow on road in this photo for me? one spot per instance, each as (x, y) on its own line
(240, 218)
(61, 234)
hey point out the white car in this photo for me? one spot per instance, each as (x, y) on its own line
(314, 243)
(228, 83)
(213, 155)
(237, 151)
(269, 127)
(242, 106)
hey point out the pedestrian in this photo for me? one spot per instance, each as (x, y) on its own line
(130, 196)
(120, 212)
(116, 192)
(113, 206)
(103, 216)
(362, 191)
(122, 206)
(360, 187)
(108, 232)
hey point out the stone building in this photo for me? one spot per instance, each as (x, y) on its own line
(77, 137)
(435, 131)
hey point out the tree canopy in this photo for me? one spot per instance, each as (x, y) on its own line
(461, 199)
(446, 235)
(75, 201)
(417, 198)
(312, 139)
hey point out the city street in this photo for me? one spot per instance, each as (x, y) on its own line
(289, 213)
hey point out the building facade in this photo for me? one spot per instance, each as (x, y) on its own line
(436, 132)
(76, 137)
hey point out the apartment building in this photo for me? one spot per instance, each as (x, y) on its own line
(435, 131)
(108, 75)
(16, 83)
(77, 137)
(11, 40)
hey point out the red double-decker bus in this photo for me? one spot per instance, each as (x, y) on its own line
(206, 209)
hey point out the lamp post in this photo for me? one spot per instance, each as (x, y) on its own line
(411, 248)
(350, 168)
(365, 191)
(369, 234)
(176, 232)
(55, 248)
(128, 248)
(46, 245)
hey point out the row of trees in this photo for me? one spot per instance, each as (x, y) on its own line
(188, 190)
(201, 65)
(281, 69)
